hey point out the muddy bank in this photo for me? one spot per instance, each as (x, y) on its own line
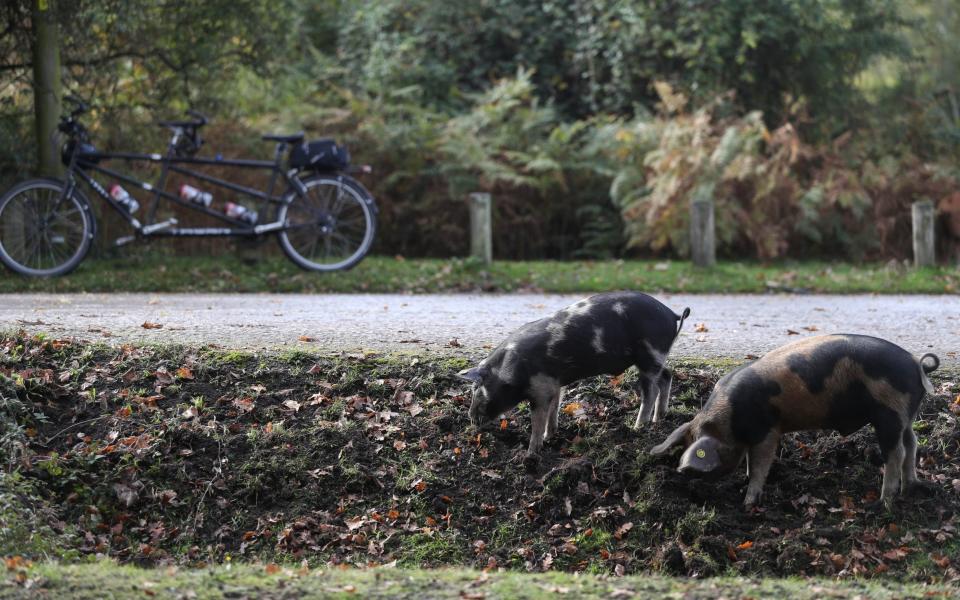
(180, 455)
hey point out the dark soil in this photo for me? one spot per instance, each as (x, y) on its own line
(176, 455)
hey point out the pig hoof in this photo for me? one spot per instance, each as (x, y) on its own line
(878, 506)
(531, 462)
(921, 488)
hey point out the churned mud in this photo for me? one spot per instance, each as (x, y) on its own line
(158, 455)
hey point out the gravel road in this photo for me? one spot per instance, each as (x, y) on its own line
(720, 325)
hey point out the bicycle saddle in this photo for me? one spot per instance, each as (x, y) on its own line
(199, 120)
(181, 124)
(289, 138)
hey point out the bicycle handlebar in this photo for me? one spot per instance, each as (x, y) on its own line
(81, 106)
(200, 117)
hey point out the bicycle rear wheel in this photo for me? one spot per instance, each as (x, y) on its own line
(331, 226)
(42, 235)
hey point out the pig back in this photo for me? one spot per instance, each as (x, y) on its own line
(607, 333)
(841, 382)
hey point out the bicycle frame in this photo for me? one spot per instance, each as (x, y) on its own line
(82, 165)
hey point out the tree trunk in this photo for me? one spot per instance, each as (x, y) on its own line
(46, 85)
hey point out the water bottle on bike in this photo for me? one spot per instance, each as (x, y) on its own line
(238, 211)
(123, 198)
(192, 194)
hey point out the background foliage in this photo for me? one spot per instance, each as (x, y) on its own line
(814, 123)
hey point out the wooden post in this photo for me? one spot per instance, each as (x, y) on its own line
(481, 227)
(703, 250)
(924, 221)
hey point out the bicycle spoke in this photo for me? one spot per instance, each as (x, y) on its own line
(329, 226)
(41, 230)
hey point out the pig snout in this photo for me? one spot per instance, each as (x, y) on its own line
(477, 412)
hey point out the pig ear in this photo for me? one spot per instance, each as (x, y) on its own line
(703, 455)
(675, 439)
(476, 374)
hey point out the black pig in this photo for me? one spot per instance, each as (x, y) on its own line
(602, 334)
(840, 382)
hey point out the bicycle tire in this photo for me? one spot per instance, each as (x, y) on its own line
(328, 197)
(47, 256)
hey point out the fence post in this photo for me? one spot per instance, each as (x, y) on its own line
(481, 227)
(703, 249)
(924, 221)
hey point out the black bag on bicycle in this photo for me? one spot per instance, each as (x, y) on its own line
(319, 155)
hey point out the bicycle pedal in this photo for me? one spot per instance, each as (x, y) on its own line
(158, 226)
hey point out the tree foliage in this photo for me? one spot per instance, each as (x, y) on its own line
(586, 119)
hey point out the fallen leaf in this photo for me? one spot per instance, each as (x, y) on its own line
(243, 404)
(163, 376)
(622, 530)
(792, 332)
(184, 373)
(399, 445)
(812, 328)
(895, 554)
(149, 325)
(272, 569)
(127, 495)
(503, 424)
(701, 328)
(292, 405)
(569, 409)
(306, 338)
(941, 561)
(745, 546)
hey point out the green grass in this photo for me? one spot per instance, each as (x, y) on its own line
(149, 272)
(106, 579)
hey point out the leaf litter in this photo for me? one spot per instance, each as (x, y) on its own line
(177, 456)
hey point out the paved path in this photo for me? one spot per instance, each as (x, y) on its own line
(733, 325)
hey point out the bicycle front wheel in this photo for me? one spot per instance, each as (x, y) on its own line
(330, 226)
(42, 232)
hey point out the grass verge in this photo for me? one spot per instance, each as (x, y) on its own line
(106, 579)
(149, 272)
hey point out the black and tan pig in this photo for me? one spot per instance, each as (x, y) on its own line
(840, 382)
(603, 334)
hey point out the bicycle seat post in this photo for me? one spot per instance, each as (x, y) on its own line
(174, 140)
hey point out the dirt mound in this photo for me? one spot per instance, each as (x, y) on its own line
(184, 455)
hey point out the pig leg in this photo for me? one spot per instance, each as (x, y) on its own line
(554, 413)
(910, 482)
(544, 393)
(538, 424)
(759, 459)
(649, 391)
(663, 384)
(891, 471)
(909, 472)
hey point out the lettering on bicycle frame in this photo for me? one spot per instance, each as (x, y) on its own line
(99, 188)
